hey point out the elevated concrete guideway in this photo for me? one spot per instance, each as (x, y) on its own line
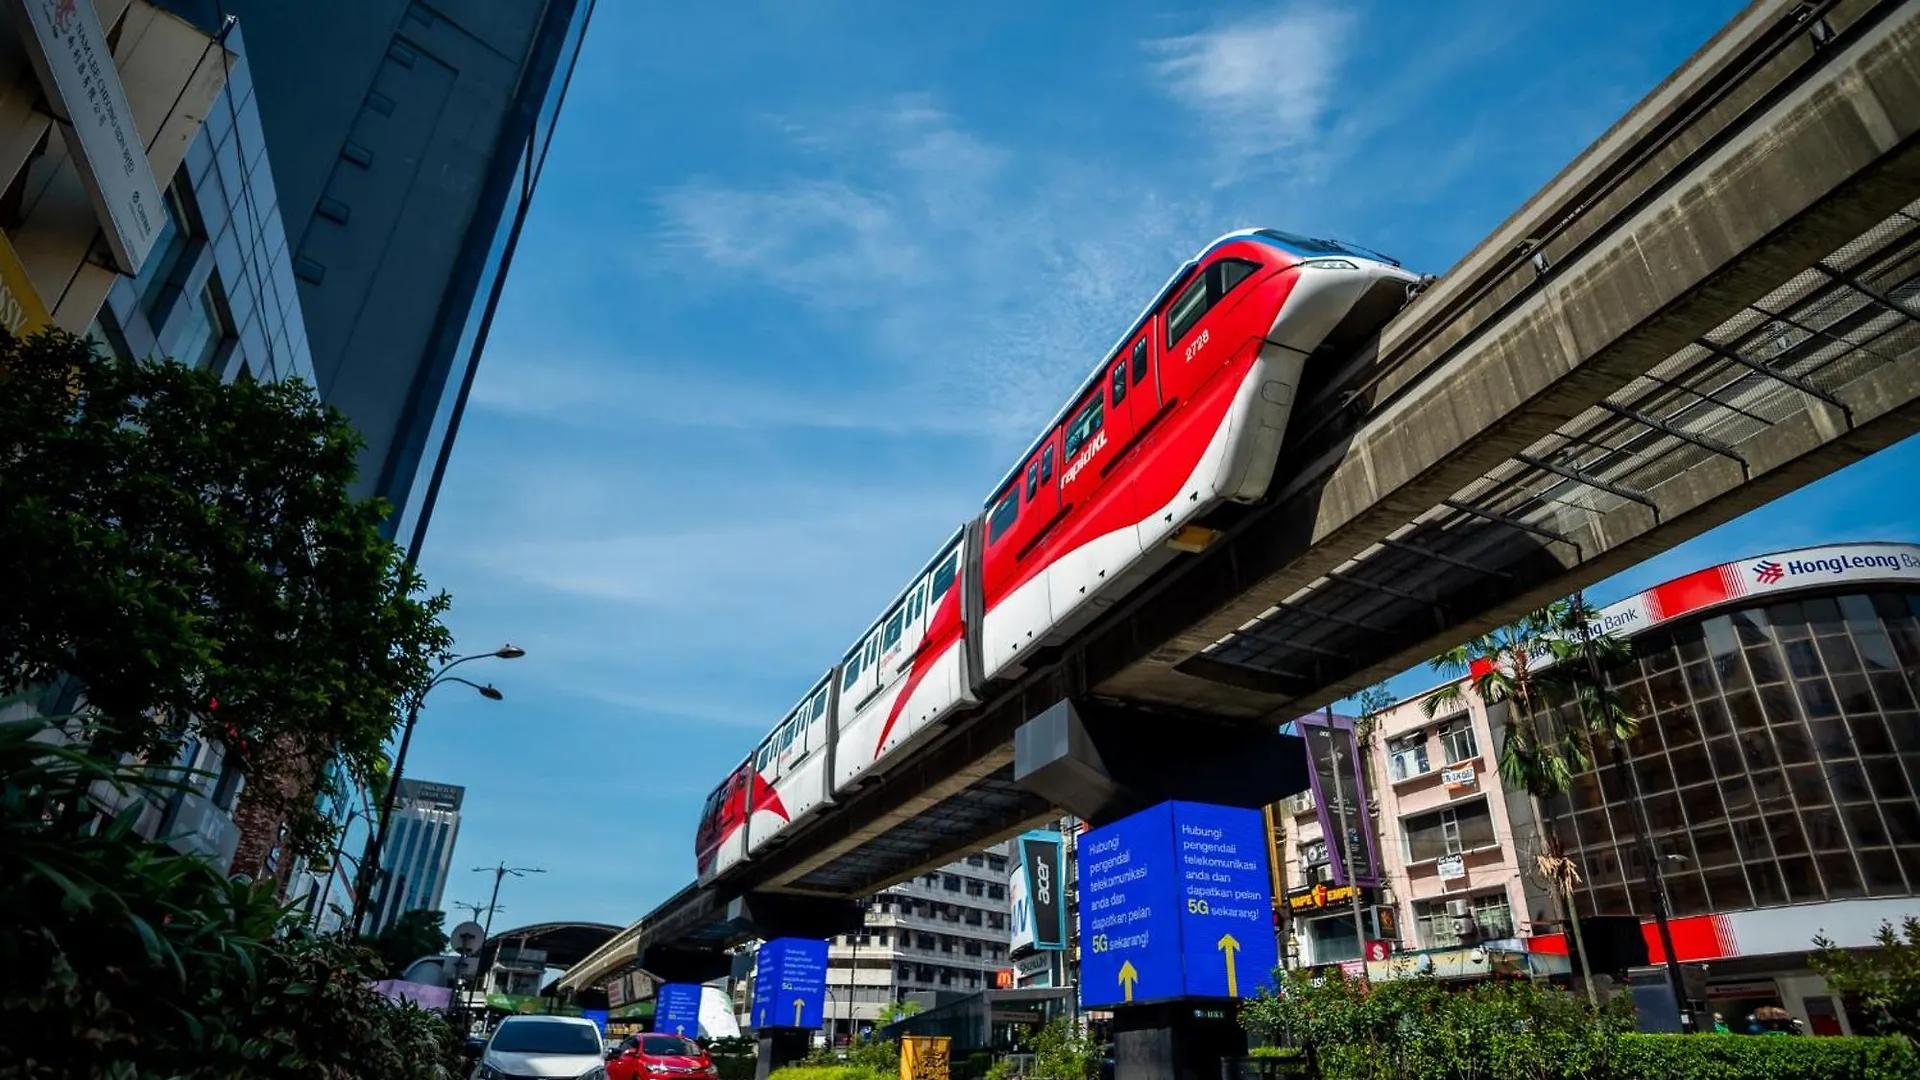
(1716, 303)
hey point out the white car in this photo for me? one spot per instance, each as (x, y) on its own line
(543, 1048)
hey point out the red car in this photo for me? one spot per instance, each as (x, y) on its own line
(653, 1057)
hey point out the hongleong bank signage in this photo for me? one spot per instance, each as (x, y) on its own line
(1748, 579)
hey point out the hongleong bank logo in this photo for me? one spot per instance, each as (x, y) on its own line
(1772, 572)
(1768, 572)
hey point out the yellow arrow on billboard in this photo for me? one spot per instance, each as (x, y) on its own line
(1128, 976)
(1228, 946)
(798, 1005)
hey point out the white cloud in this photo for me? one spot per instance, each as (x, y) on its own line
(1264, 85)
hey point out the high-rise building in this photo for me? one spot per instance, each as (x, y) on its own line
(405, 141)
(418, 851)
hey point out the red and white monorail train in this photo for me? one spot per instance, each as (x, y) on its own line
(1186, 413)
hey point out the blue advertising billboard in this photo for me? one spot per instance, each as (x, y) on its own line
(1176, 902)
(676, 1009)
(790, 983)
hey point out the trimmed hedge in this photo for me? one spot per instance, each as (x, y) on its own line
(1762, 1057)
(830, 1072)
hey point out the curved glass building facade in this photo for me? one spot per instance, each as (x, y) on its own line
(1777, 760)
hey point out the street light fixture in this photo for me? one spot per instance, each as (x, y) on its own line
(370, 862)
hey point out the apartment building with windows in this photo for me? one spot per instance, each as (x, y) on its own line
(944, 932)
(1772, 777)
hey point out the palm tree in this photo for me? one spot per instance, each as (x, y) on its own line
(1544, 668)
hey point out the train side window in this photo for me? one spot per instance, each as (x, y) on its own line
(1119, 382)
(1003, 516)
(765, 756)
(1085, 426)
(894, 624)
(1046, 465)
(853, 672)
(873, 649)
(1233, 272)
(913, 604)
(1186, 309)
(1139, 361)
(819, 704)
(1033, 479)
(943, 579)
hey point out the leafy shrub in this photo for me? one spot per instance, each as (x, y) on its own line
(1886, 980)
(1762, 1057)
(833, 1072)
(124, 960)
(734, 1057)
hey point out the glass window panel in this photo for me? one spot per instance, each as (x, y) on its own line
(1776, 703)
(1858, 611)
(1669, 691)
(1750, 627)
(1687, 893)
(1750, 839)
(1889, 606)
(1890, 783)
(1645, 739)
(1788, 621)
(1712, 715)
(1865, 827)
(1611, 783)
(1770, 789)
(1634, 699)
(1890, 687)
(1787, 836)
(1809, 784)
(1841, 874)
(1803, 882)
(1702, 804)
(1765, 664)
(1663, 813)
(1854, 694)
(1768, 889)
(1691, 643)
(1700, 681)
(1737, 793)
(1823, 829)
(1714, 846)
(1585, 792)
(1818, 699)
(1621, 816)
(1727, 889)
(1726, 757)
(1910, 862)
(1830, 738)
(1869, 735)
(1654, 775)
(1839, 654)
(1656, 653)
(1906, 730)
(1882, 872)
(1903, 820)
(1612, 900)
(1849, 780)
(1906, 642)
(1690, 764)
(1823, 615)
(1745, 708)
(1793, 743)
(1758, 747)
(1876, 651)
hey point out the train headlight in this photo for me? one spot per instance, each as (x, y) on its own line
(1330, 264)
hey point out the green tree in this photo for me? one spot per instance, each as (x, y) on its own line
(1885, 980)
(894, 1011)
(413, 935)
(188, 551)
(1558, 714)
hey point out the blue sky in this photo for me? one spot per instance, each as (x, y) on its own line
(800, 279)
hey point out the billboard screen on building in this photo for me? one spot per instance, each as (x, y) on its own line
(1042, 883)
(1342, 798)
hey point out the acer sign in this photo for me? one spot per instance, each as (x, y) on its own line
(1039, 909)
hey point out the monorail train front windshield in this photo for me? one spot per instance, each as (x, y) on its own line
(1308, 247)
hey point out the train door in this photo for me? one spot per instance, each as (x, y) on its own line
(1101, 541)
(901, 631)
(1013, 570)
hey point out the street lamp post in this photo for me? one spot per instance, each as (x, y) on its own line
(499, 873)
(370, 862)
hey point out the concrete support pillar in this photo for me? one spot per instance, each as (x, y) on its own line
(1175, 1040)
(780, 1047)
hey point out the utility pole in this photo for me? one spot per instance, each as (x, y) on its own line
(499, 873)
